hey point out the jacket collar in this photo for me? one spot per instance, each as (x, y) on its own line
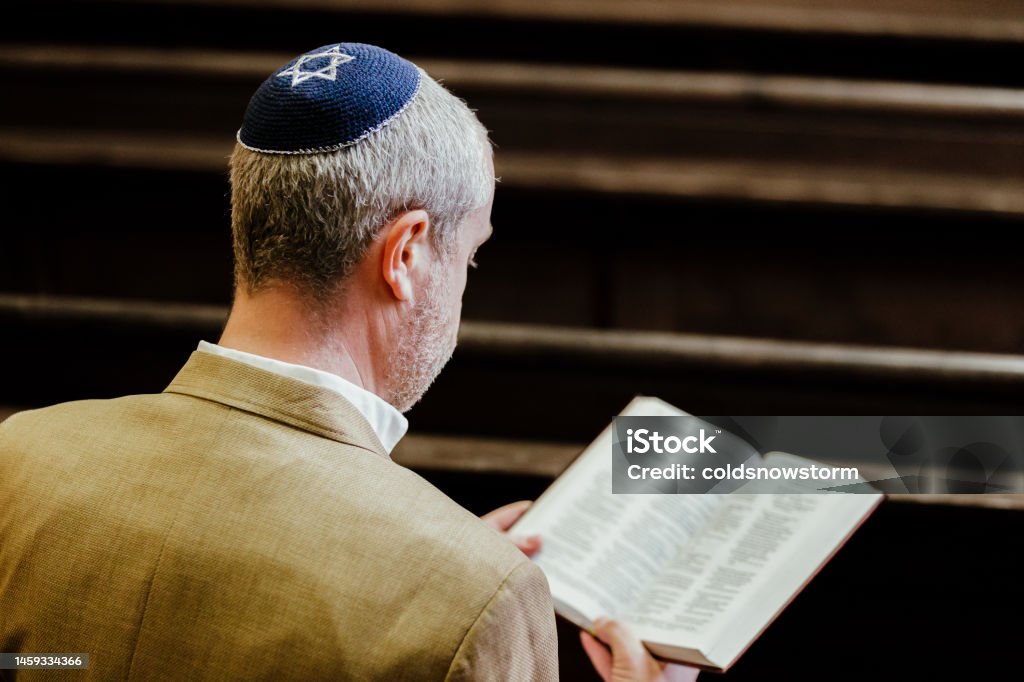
(311, 408)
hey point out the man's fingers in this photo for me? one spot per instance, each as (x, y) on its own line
(529, 545)
(598, 654)
(502, 518)
(628, 659)
(627, 651)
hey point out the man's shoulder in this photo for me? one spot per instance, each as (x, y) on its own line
(90, 413)
(68, 422)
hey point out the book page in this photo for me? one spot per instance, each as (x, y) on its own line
(601, 550)
(733, 576)
(710, 574)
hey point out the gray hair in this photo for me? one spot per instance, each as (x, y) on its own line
(308, 219)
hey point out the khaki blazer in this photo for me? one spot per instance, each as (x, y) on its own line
(245, 525)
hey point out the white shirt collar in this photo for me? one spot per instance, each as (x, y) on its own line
(388, 423)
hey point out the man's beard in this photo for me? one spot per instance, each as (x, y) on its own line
(423, 347)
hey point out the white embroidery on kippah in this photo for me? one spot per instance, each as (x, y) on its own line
(329, 72)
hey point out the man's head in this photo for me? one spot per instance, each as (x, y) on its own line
(370, 214)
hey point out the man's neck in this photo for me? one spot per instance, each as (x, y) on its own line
(276, 324)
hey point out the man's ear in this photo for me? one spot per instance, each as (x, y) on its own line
(406, 249)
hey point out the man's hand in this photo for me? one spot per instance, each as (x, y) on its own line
(502, 518)
(628, 660)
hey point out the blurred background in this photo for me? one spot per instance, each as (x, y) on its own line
(740, 206)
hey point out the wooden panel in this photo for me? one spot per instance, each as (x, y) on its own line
(908, 290)
(947, 41)
(979, 20)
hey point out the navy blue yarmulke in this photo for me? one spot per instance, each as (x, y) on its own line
(328, 98)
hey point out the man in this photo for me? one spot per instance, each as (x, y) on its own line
(248, 521)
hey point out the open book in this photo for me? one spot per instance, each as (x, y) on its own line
(697, 577)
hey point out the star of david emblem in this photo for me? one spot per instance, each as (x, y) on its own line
(334, 56)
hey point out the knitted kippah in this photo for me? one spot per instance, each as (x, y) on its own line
(329, 98)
